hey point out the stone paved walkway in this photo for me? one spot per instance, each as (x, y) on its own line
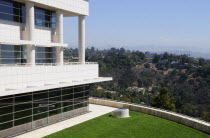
(96, 110)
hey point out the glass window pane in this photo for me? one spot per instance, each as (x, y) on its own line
(23, 114)
(21, 107)
(40, 116)
(79, 100)
(78, 106)
(6, 110)
(6, 125)
(23, 98)
(54, 106)
(54, 93)
(41, 103)
(87, 87)
(23, 121)
(87, 93)
(67, 97)
(40, 95)
(67, 91)
(40, 109)
(55, 112)
(54, 100)
(66, 109)
(78, 88)
(78, 95)
(12, 11)
(6, 118)
(6, 101)
(68, 103)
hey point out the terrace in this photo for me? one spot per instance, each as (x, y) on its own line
(98, 123)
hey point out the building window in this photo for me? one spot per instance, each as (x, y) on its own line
(45, 55)
(20, 109)
(12, 11)
(46, 18)
(12, 54)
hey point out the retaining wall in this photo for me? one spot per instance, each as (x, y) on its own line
(182, 119)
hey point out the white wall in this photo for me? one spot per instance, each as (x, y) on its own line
(76, 6)
(43, 34)
(23, 77)
(10, 31)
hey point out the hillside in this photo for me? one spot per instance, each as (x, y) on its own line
(138, 77)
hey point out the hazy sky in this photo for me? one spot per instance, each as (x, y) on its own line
(145, 24)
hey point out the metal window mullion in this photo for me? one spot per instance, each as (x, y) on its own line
(32, 108)
(13, 111)
(73, 98)
(48, 107)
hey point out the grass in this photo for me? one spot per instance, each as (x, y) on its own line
(138, 125)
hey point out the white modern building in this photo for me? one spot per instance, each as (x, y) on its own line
(36, 87)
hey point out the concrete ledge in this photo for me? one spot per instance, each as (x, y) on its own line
(182, 119)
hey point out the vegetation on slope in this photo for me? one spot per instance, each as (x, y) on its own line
(138, 78)
(138, 125)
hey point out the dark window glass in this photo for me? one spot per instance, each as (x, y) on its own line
(12, 54)
(54, 100)
(23, 114)
(86, 99)
(44, 17)
(23, 121)
(6, 101)
(6, 125)
(45, 55)
(79, 100)
(78, 106)
(41, 103)
(12, 11)
(40, 116)
(67, 97)
(54, 106)
(55, 112)
(6, 110)
(87, 93)
(87, 87)
(23, 98)
(78, 95)
(21, 107)
(68, 103)
(66, 109)
(40, 95)
(6, 118)
(54, 93)
(78, 88)
(67, 91)
(40, 109)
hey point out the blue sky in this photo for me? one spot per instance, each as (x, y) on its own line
(145, 25)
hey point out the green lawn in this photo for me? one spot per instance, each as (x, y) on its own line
(138, 125)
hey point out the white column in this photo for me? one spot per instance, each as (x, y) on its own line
(59, 26)
(30, 25)
(59, 35)
(81, 44)
(59, 55)
(31, 55)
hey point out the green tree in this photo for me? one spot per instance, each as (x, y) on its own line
(206, 116)
(164, 101)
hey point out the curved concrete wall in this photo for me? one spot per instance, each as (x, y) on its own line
(188, 121)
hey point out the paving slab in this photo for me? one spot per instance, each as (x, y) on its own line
(95, 111)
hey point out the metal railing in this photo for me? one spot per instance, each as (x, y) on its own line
(148, 106)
